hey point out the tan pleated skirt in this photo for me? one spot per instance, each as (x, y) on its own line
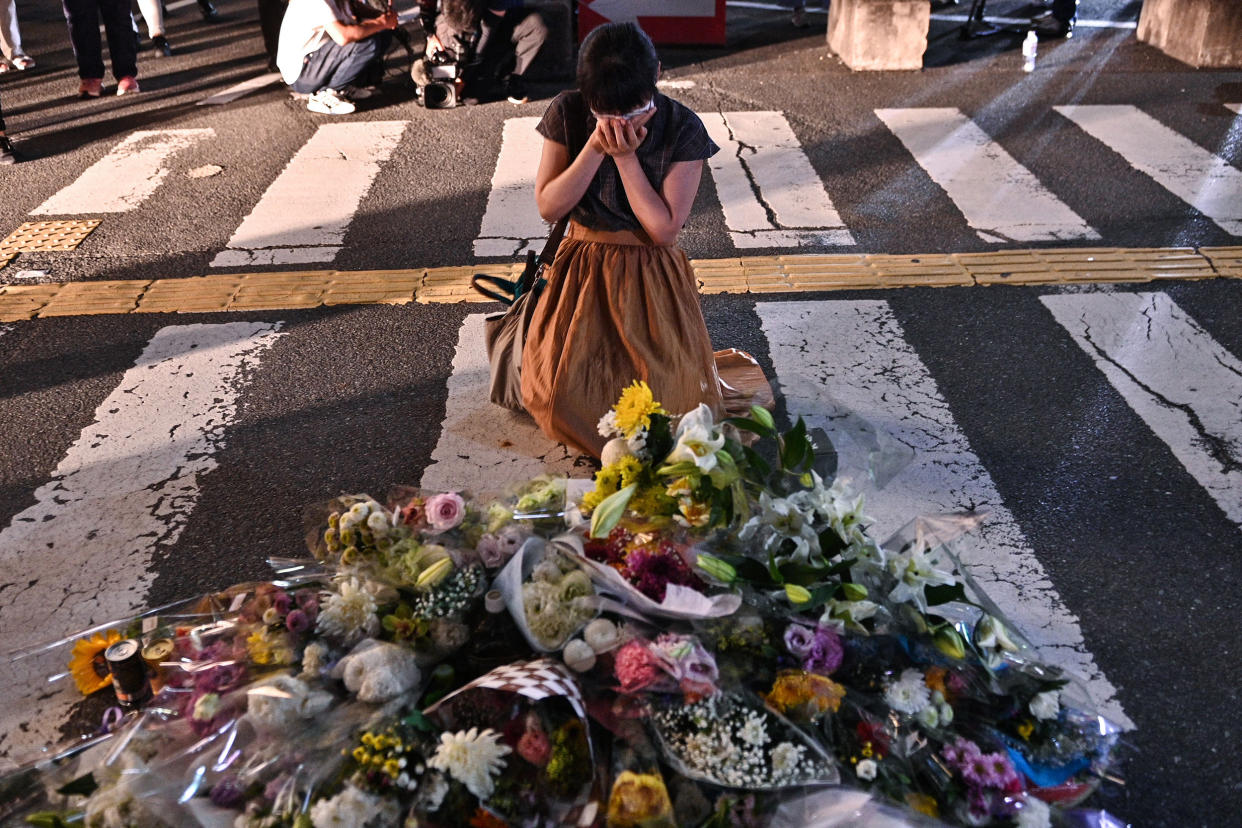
(618, 308)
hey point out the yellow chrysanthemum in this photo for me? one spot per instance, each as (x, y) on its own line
(629, 468)
(635, 408)
(87, 666)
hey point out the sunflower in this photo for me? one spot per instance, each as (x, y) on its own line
(87, 666)
(635, 408)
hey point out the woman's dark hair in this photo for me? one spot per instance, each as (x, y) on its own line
(617, 68)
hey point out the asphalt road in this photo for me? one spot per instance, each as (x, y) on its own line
(1128, 535)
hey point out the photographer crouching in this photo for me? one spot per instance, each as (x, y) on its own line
(488, 43)
(325, 48)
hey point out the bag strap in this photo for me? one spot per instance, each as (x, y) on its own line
(501, 290)
(531, 275)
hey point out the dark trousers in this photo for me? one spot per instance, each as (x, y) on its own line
(1065, 10)
(271, 15)
(83, 17)
(1, 118)
(332, 66)
(507, 44)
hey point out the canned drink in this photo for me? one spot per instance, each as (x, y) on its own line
(156, 653)
(129, 673)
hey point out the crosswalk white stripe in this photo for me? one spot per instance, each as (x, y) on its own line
(305, 212)
(238, 90)
(81, 555)
(125, 177)
(1184, 384)
(1203, 180)
(482, 447)
(1236, 107)
(999, 197)
(770, 193)
(511, 223)
(126, 486)
(858, 363)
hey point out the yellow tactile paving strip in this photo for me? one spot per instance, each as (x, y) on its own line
(750, 274)
(40, 236)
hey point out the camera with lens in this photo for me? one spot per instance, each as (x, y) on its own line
(439, 81)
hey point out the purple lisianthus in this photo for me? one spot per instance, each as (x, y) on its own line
(228, 792)
(825, 652)
(297, 622)
(798, 640)
(281, 601)
(307, 596)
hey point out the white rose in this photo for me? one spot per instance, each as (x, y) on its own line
(579, 656)
(866, 769)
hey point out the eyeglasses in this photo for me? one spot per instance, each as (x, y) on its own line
(629, 116)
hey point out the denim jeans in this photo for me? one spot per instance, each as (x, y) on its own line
(333, 66)
(83, 18)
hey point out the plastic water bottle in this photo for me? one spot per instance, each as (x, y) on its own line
(1030, 47)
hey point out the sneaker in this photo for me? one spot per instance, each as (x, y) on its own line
(161, 46)
(515, 90)
(209, 11)
(329, 102)
(799, 19)
(7, 153)
(23, 62)
(127, 85)
(90, 88)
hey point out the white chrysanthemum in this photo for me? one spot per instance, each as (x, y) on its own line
(353, 807)
(866, 769)
(378, 522)
(785, 758)
(608, 425)
(1046, 705)
(1034, 813)
(909, 694)
(472, 758)
(349, 613)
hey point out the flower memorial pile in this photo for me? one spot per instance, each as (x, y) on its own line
(706, 637)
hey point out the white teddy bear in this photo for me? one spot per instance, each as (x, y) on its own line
(378, 671)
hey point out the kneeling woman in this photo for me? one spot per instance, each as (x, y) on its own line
(621, 304)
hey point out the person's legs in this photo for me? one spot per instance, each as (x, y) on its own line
(529, 35)
(153, 16)
(333, 66)
(10, 36)
(122, 40)
(83, 19)
(356, 57)
(271, 15)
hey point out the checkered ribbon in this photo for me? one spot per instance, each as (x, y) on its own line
(536, 680)
(539, 680)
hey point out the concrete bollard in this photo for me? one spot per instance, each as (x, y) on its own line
(879, 34)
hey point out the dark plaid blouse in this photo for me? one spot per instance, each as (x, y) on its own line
(674, 134)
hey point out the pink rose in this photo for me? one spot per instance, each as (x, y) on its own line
(445, 511)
